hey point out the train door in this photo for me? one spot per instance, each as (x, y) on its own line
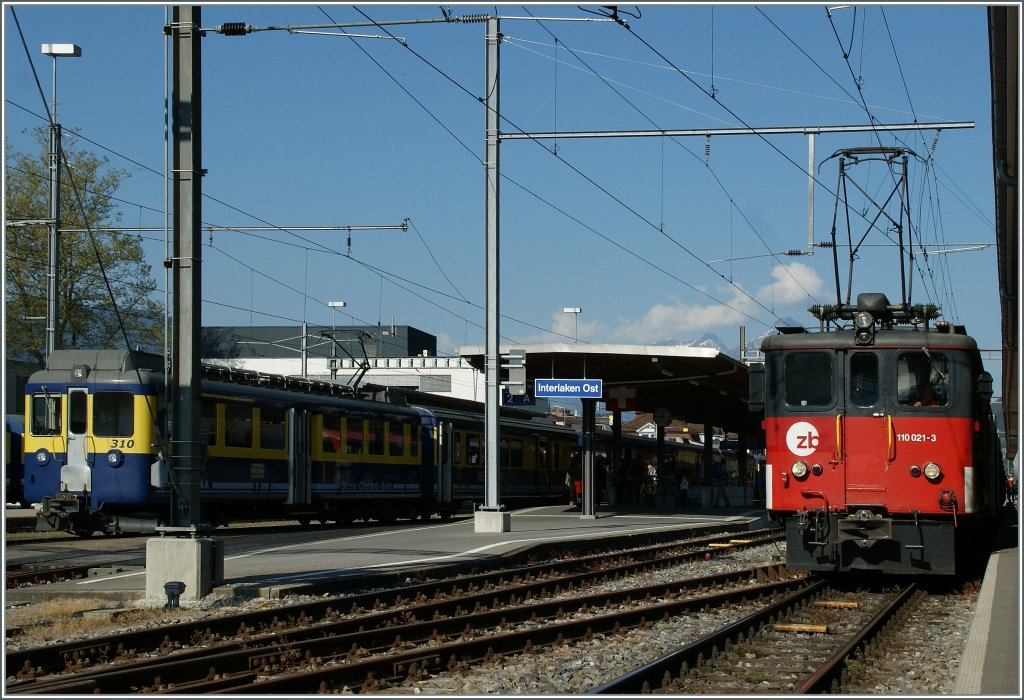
(444, 461)
(298, 440)
(76, 474)
(863, 426)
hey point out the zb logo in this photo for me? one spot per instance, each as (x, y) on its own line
(802, 439)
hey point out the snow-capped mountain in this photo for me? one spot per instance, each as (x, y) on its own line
(710, 340)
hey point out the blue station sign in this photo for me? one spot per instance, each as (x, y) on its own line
(568, 388)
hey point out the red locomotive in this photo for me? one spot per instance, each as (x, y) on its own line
(881, 449)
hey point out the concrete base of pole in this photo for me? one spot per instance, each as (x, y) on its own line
(492, 521)
(198, 562)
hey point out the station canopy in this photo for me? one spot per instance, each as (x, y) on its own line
(698, 385)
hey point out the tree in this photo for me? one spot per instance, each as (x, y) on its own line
(86, 312)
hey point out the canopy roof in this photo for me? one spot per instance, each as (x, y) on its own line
(700, 385)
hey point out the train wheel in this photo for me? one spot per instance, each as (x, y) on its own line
(304, 521)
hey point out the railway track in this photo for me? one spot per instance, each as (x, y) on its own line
(800, 644)
(382, 638)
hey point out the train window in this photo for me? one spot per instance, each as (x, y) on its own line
(354, 436)
(922, 379)
(543, 453)
(457, 449)
(809, 379)
(414, 441)
(46, 410)
(374, 436)
(396, 439)
(331, 432)
(237, 425)
(474, 456)
(113, 414)
(78, 412)
(864, 379)
(272, 428)
(512, 453)
(208, 420)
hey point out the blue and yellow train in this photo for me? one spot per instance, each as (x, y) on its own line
(96, 458)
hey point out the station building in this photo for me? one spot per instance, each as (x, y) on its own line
(392, 356)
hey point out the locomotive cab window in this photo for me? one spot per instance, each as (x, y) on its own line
(864, 379)
(922, 379)
(808, 377)
(78, 412)
(113, 414)
(46, 410)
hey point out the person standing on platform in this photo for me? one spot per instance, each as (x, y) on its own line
(721, 479)
(576, 473)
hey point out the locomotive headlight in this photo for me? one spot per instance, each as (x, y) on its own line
(799, 469)
(864, 323)
(43, 456)
(932, 471)
(115, 458)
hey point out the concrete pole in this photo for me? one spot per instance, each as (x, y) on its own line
(53, 277)
(490, 518)
(589, 485)
(187, 165)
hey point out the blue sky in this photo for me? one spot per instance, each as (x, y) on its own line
(653, 238)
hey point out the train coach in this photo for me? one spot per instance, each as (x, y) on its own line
(96, 460)
(881, 448)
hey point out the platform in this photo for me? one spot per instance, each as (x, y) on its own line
(298, 568)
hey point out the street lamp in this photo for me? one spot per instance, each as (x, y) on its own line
(575, 311)
(335, 305)
(53, 277)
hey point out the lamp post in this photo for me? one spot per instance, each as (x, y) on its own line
(53, 277)
(335, 305)
(575, 311)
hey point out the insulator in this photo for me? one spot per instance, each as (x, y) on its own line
(234, 29)
(794, 251)
(707, 150)
(473, 18)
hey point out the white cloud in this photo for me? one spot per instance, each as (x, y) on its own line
(795, 286)
(795, 283)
